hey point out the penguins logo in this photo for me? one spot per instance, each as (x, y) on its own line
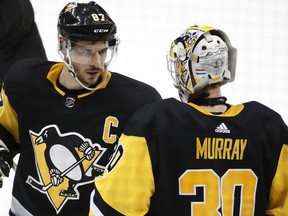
(64, 162)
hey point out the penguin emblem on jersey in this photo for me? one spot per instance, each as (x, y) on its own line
(64, 162)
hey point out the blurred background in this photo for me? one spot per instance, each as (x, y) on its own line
(258, 29)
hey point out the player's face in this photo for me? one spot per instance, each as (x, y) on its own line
(88, 60)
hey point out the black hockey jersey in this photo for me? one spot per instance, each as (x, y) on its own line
(50, 124)
(178, 159)
(19, 35)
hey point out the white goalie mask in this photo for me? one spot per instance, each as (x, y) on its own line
(200, 57)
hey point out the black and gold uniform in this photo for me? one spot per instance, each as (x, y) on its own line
(53, 127)
(176, 158)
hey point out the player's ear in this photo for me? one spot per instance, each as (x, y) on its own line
(62, 46)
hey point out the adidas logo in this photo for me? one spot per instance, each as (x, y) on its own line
(222, 128)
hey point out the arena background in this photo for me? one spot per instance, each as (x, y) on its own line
(257, 28)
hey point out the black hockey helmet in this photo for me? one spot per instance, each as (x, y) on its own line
(87, 22)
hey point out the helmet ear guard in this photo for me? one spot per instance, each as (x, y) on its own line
(232, 55)
(201, 57)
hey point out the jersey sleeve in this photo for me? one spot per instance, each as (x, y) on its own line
(19, 35)
(278, 201)
(8, 125)
(128, 183)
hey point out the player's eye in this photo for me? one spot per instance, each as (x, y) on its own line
(103, 51)
(86, 52)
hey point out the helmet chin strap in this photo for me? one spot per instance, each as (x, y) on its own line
(89, 88)
(73, 74)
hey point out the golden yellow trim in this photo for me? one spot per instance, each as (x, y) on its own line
(9, 118)
(233, 111)
(53, 75)
(109, 74)
(55, 71)
(204, 28)
(207, 28)
(278, 205)
(216, 78)
(130, 185)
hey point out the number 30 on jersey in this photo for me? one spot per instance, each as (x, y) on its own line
(220, 191)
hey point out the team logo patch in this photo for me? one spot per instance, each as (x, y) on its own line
(70, 7)
(64, 162)
(70, 102)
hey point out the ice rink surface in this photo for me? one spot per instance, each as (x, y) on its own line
(257, 28)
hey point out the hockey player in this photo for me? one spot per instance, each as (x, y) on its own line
(65, 118)
(201, 156)
(19, 36)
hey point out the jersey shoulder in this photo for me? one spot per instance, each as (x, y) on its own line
(260, 111)
(156, 115)
(134, 90)
(271, 122)
(150, 111)
(25, 70)
(26, 73)
(125, 81)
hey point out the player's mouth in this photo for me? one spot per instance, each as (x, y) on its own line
(93, 72)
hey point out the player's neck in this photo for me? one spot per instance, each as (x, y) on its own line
(67, 80)
(220, 108)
